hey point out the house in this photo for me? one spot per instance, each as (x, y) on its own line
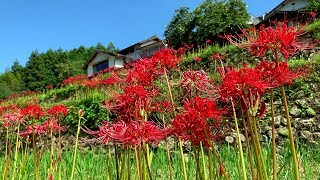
(290, 10)
(102, 60)
(143, 48)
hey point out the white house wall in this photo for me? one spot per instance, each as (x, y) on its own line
(118, 63)
(112, 62)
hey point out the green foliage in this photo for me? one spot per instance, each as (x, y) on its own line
(94, 113)
(314, 5)
(5, 90)
(314, 29)
(207, 21)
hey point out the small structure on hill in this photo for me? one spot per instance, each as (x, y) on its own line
(142, 49)
(102, 60)
(290, 10)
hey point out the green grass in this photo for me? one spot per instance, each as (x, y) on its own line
(93, 164)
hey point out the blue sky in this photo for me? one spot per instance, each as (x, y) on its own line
(31, 25)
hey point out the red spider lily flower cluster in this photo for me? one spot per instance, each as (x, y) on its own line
(75, 80)
(113, 79)
(131, 134)
(236, 84)
(58, 110)
(43, 128)
(166, 58)
(32, 111)
(217, 56)
(49, 86)
(277, 75)
(11, 120)
(197, 122)
(198, 79)
(130, 104)
(197, 58)
(8, 108)
(142, 73)
(208, 41)
(279, 38)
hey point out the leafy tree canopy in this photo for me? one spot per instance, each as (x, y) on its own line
(207, 21)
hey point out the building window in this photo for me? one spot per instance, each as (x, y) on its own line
(100, 66)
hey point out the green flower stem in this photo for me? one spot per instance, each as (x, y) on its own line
(129, 163)
(16, 152)
(51, 153)
(239, 142)
(196, 157)
(274, 150)
(168, 152)
(292, 146)
(147, 163)
(256, 153)
(182, 160)
(75, 148)
(210, 164)
(138, 167)
(263, 166)
(116, 154)
(203, 162)
(7, 157)
(248, 146)
(216, 155)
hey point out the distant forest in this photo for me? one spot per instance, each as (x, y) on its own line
(48, 68)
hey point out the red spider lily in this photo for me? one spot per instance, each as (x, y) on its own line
(143, 73)
(113, 79)
(193, 124)
(91, 83)
(279, 38)
(134, 99)
(277, 75)
(313, 14)
(49, 86)
(32, 111)
(58, 110)
(51, 125)
(208, 41)
(252, 103)
(238, 83)
(137, 132)
(44, 128)
(11, 120)
(199, 80)
(197, 58)
(33, 129)
(103, 133)
(181, 51)
(75, 80)
(161, 106)
(8, 108)
(217, 56)
(166, 58)
(204, 107)
(131, 134)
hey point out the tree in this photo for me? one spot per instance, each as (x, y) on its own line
(314, 5)
(180, 28)
(207, 21)
(18, 71)
(112, 48)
